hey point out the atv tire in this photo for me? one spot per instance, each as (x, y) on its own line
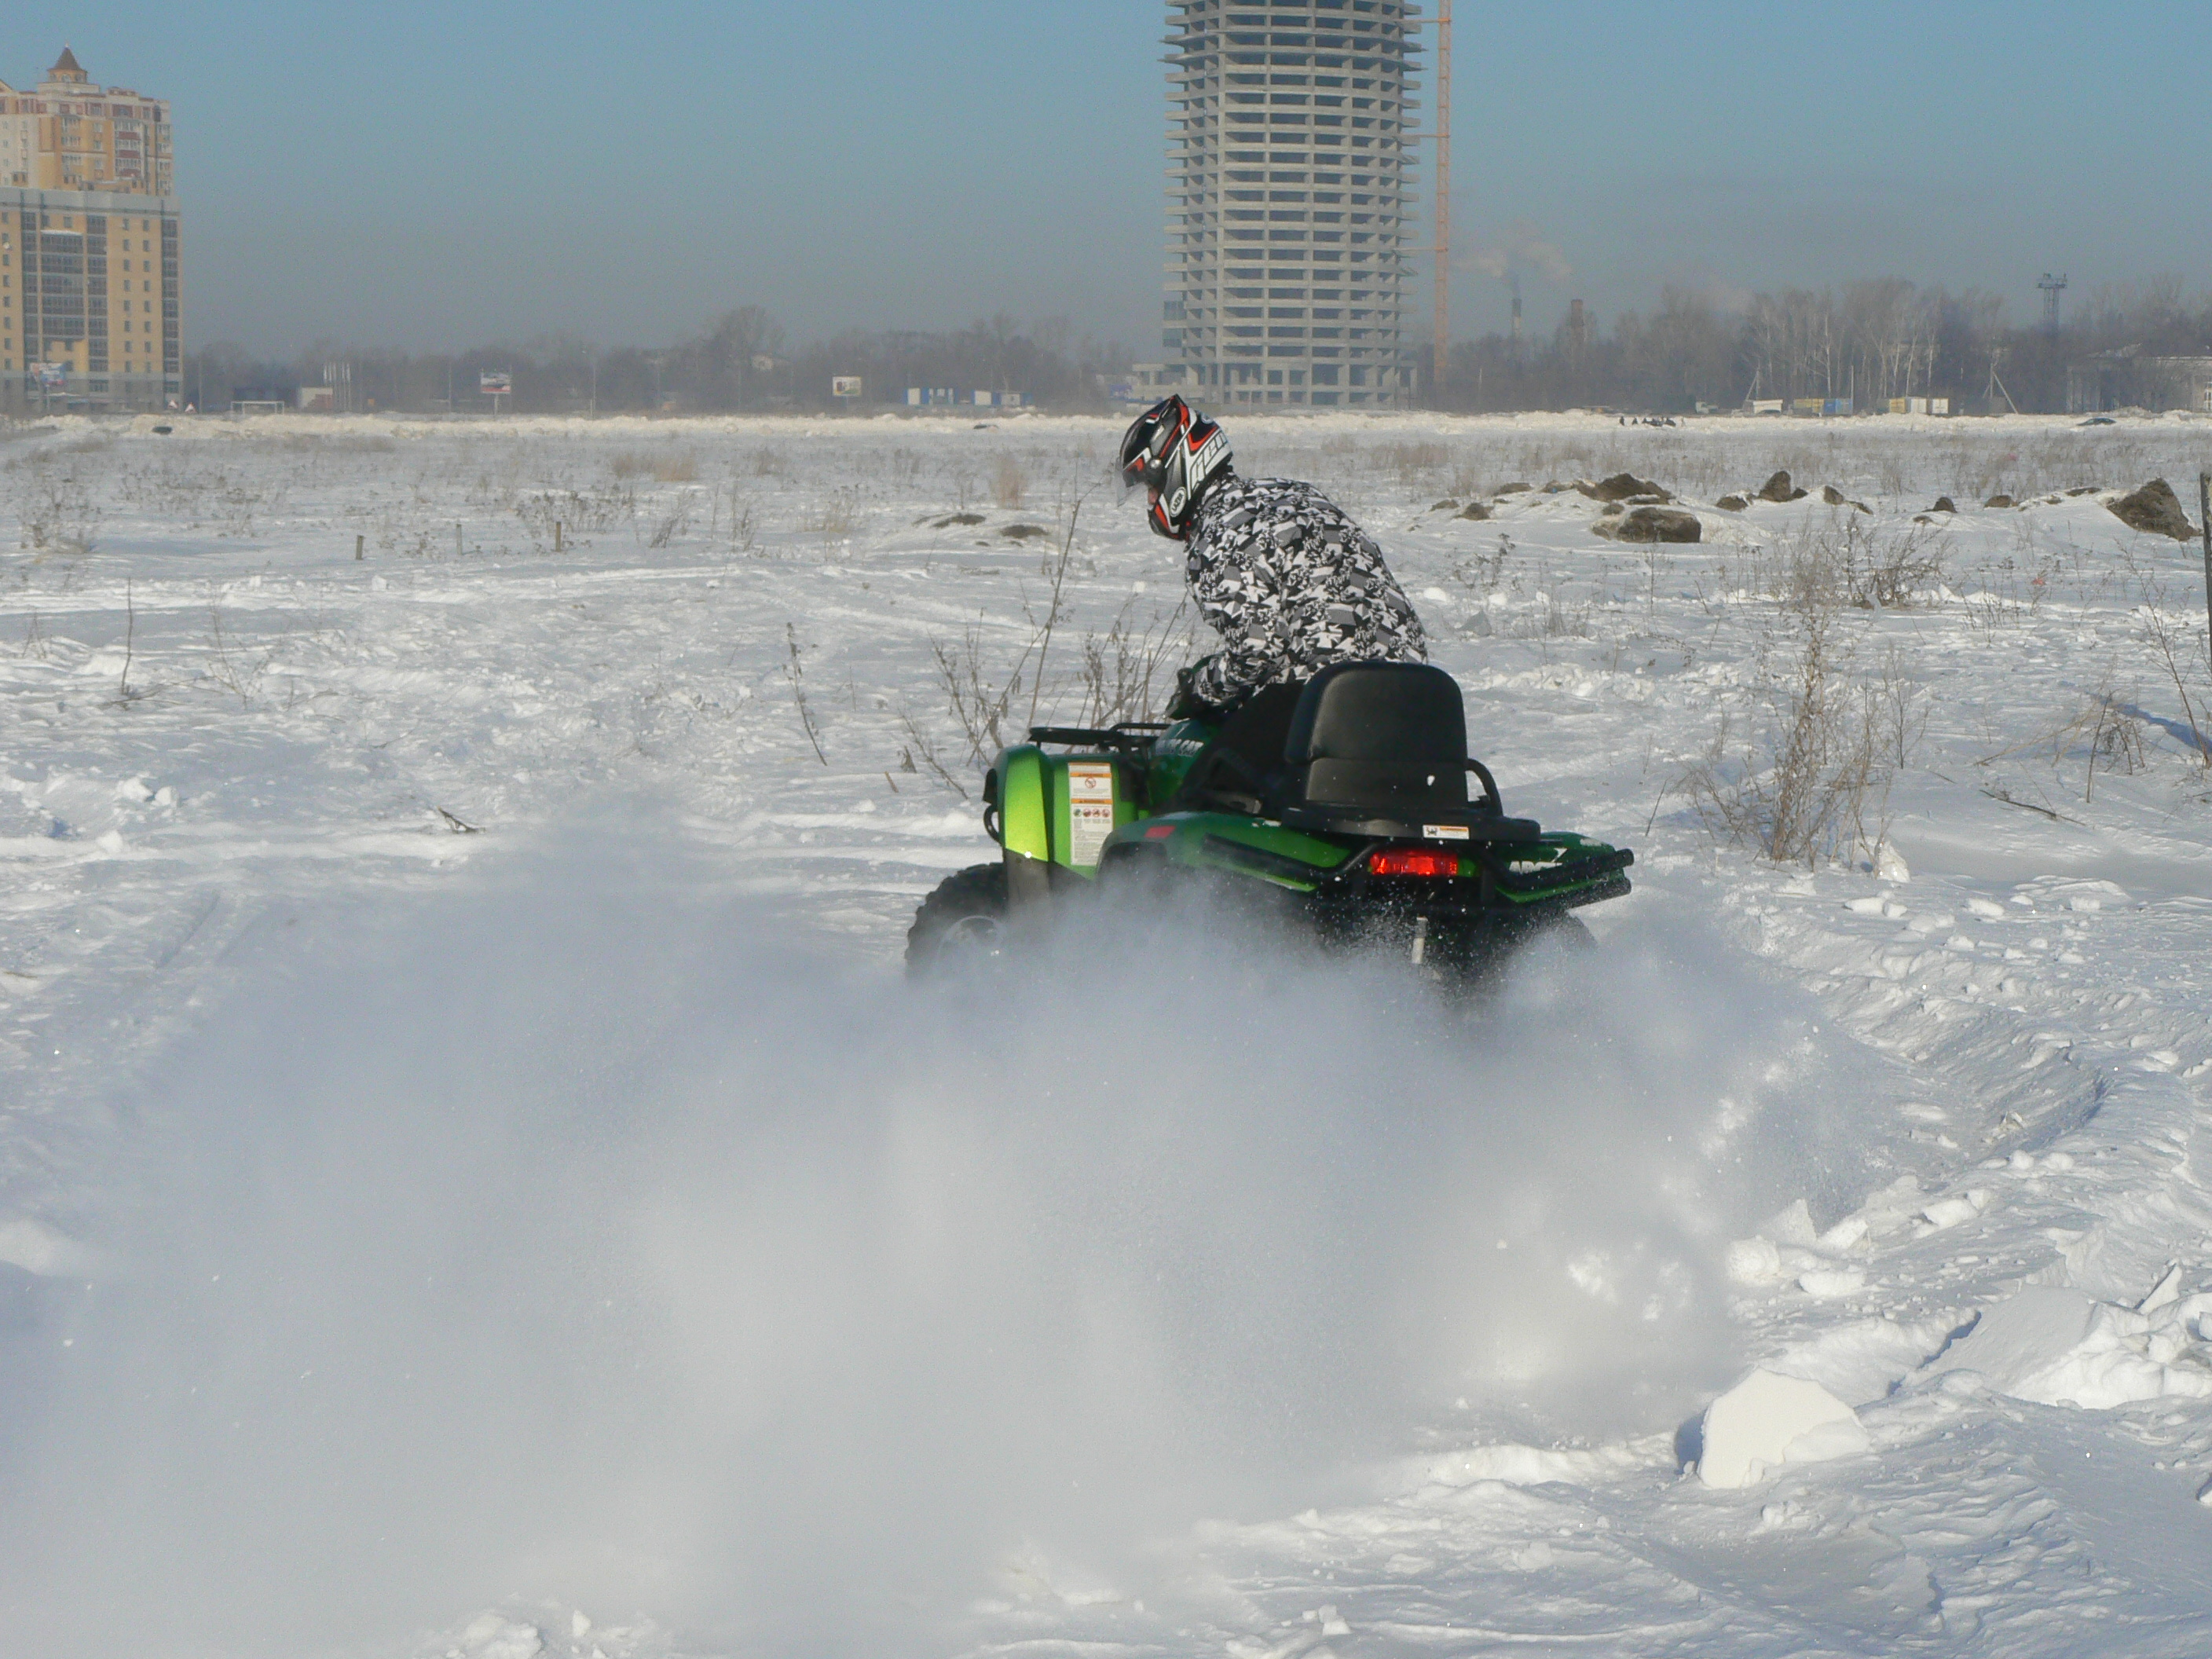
(962, 921)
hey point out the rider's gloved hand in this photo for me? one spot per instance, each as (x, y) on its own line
(1188, 703)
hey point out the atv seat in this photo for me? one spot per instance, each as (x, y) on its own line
(1386, 736)
(1380, 748)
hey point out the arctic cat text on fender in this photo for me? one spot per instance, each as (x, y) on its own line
(1341, 807)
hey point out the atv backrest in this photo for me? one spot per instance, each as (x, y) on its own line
(1379, 734)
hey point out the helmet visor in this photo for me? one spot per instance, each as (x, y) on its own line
(1145, 447)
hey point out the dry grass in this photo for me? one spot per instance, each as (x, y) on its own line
(679, 466)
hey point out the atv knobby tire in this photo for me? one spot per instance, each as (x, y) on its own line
(963, 921)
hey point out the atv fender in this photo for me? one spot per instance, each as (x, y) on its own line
(1025, 823)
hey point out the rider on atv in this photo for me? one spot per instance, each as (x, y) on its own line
(1276, 568)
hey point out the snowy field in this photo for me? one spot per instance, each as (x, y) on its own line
(473, 1181)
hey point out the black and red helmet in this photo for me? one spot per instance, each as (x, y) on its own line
(1173, 453)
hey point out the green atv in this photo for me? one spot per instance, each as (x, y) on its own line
(1339, 806)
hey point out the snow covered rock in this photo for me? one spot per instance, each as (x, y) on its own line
(2059, 1347)
(1768, 1420)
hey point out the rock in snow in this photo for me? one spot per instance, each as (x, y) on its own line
(1769, 1420)
(1624, 487)
(1653, 524)
(2155, 510)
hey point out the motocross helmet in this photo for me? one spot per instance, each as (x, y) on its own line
(1174, 453)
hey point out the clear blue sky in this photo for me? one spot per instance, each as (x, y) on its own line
(432, 176)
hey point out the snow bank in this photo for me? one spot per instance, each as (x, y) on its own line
(1769, 1420)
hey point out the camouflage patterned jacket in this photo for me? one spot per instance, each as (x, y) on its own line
(1291, 584)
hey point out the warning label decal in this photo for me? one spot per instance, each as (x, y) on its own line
(1090, 809)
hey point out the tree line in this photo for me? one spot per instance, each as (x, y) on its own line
(741, 362)
(1867, 341)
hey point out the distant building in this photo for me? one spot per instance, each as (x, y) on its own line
(1287, 171)
(69, 134)
(90, 249)
(2126, 379)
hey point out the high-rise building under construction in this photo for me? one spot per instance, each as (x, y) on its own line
(1288, 171)
(90, 313)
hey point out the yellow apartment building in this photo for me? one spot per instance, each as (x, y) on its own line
(90, 298)
(69, 134)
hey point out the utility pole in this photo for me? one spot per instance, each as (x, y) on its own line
(2204, 525)
(1442, 352)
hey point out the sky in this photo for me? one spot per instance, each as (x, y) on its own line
(434, 176)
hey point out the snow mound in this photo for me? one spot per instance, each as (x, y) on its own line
(1769, 1420)
(2057, 1346)
(492, 1636)
(38, 1249)
(1512, 1464)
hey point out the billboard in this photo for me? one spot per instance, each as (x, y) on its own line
(49, 376)
(495, 383)
(844, 386)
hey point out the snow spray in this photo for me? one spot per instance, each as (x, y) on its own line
(566, 1236)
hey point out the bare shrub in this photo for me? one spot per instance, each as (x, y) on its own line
(1899, 708)
(1812, 779)
(979, 699)
(1120, 670)
(236, 669)
(1482, 572)
(1868, 569)
(675, 469)
(2165, 641)
(1009, 484)
(920, 742)
(2115, 741)
(795, 670)
(2102, 729)
(578, 510)
(834, 517)
(55, 512)
(1554, 618)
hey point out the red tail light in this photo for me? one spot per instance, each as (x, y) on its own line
(1412, 861)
